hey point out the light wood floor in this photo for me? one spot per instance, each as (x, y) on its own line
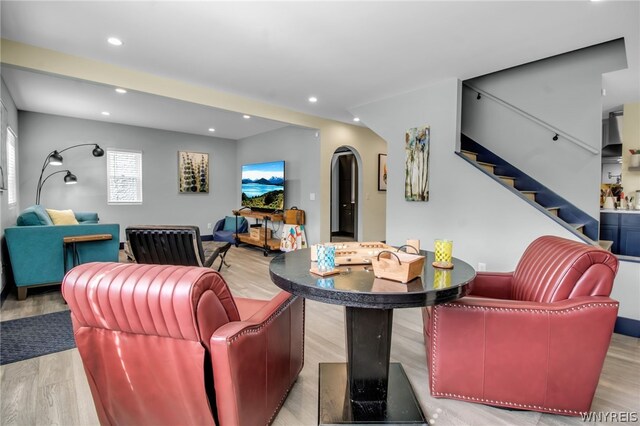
(53, 390)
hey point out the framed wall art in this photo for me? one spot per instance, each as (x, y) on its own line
(416, 149)
(382, 172)
(193, 172)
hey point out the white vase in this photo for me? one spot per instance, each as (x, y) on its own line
(635, 160)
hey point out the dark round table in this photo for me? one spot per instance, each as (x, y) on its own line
(368, 388)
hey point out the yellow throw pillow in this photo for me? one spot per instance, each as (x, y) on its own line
(62, 217)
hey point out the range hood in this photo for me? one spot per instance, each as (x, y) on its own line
(611, 131)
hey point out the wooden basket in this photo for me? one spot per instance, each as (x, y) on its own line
(397, 266)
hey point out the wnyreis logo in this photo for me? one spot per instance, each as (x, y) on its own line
(610, 416)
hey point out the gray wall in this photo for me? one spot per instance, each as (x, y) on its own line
(300, 150)
(8, 214)
(486, 221)
(162, 204)
(564, 91)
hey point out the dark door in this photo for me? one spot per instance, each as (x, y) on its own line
(346, 195)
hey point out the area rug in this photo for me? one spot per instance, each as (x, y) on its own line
(39, 335)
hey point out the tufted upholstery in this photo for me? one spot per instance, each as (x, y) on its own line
(170, 345)
(553, 269)
(533, 339)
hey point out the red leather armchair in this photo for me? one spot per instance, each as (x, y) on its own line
(169, 345)
(534, 339)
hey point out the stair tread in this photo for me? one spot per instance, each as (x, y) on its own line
(605, 244)
(468, 152)
(576, 225)
(485, 163)
(552, 208)
(529, 192)
(505, 177)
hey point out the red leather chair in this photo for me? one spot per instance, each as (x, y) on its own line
(533, 339)
(170, 345)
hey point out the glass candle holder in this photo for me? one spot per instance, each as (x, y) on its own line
(443, 250)
(326, 254)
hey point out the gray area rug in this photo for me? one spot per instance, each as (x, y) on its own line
(35, 336)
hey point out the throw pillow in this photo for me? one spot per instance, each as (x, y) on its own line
(230, 223)
(34, 216)
(62, 217)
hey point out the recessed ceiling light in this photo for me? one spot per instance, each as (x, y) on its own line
(105, 113)
(356, 119)
(120, 90)
(246, 117)
(115, 41)
(313, 99)
(211, 129)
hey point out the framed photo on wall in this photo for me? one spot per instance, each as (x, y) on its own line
(193, 172)
(382, 172)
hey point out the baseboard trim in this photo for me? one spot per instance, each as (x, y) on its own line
(627, 326)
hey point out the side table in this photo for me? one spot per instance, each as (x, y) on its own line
(71, 243)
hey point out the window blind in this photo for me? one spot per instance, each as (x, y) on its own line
(12, 190)
(124, 177)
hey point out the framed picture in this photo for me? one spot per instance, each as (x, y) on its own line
(193, 172)
(382, 172)
(416, 172)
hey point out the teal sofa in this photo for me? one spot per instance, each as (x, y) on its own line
(36, 249)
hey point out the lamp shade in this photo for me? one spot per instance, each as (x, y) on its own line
(55, 159)
(97, 151)
(70, 178)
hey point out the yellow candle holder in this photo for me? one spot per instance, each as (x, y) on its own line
(443, 250)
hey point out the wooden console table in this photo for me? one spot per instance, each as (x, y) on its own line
(266, 243)
(71, 241)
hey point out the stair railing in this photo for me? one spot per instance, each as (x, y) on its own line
(556, 132)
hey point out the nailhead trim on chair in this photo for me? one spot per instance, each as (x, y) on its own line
(550, 311)
(256, 329)
(487, 308)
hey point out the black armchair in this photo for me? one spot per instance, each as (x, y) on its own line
(172, 245)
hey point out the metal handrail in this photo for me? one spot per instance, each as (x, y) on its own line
(557, 132)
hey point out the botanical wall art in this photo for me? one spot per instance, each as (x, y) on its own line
(382, 172)
(416, 183)
(193, 172)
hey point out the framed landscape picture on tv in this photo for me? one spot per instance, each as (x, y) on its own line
(263, 186)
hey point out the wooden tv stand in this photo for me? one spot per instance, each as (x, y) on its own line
(267, 244)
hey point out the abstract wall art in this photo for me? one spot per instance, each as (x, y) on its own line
(416, 182)
(193, 172)
(382, 172)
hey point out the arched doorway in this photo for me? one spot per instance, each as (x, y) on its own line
(345, 190)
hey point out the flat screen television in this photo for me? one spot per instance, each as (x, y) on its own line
(263, 186)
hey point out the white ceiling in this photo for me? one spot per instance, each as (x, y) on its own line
(33, 91)
(345, 53)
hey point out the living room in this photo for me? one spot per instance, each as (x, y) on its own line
(488, 225)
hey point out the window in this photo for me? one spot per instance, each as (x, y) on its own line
(124, 177)
(12, 192)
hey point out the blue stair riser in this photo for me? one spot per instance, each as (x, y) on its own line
(568, 213)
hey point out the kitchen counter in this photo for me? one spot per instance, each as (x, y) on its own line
(620, 211)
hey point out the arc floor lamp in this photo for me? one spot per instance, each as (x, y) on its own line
(55, 159)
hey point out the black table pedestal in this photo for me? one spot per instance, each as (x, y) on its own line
(335, 407)
(368, 333)
(367, 389)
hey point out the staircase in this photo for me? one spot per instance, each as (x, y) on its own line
(531, 191)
